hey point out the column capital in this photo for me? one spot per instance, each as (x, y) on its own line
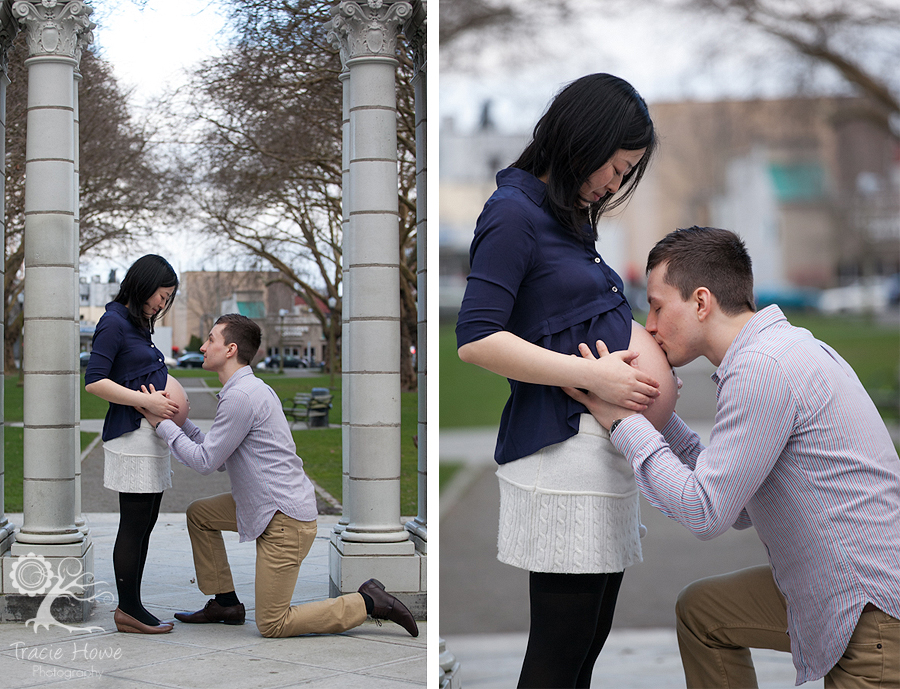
(367, 28)
(416, 28)
(9, 27)
(55, 27)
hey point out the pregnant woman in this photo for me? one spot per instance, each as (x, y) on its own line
(569, 511)
(136, 462)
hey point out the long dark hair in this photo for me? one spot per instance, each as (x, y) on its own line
(145, 276)
(584, 126)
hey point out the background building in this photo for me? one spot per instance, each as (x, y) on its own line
(288, 324)
(286, 320)
(811, 184)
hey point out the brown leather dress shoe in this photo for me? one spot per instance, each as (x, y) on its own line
(213, 612)
(389, 608)
(126, 623)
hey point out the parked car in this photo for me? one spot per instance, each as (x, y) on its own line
(273, 362)
(85, 357)
(788, 298)
(190, 360)
(866, 295)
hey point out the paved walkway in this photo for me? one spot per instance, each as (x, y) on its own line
(483, 606)
(198, 656)
(631, 659)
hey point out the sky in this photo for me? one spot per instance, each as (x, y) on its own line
(152, 46)
(150, 50)
(663, 54)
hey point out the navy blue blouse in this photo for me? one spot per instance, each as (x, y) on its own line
(532, 277)
(126, 355)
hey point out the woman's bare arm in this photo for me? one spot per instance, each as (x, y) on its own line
(612, 378)
(157, 403)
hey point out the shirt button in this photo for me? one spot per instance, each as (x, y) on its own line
(597, 260)
(615, 289)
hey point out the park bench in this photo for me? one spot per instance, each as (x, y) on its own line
(309, 407)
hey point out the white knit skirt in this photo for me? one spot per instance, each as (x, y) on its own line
(570, 508)
(137, 462)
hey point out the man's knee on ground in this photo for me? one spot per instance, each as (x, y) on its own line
(271, 629)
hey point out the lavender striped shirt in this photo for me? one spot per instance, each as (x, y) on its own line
(251, 438)
(798, 450)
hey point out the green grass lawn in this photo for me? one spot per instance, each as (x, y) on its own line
(446, 472)
(321, 453)
(470, 396)
(320, 449)
(872, 350)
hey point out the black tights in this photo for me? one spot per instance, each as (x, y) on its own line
(571, 615)
(137, 517)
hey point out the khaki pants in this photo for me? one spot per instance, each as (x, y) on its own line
(720, 618)
(279, 551)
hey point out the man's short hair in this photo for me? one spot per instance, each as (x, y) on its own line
(243, 332)
(707, 257)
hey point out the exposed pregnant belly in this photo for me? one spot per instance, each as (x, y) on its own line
(179, 397)
(652, 360)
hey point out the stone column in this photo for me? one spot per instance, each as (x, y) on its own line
(56, 30)
(8, 30)
(373, 543)
(415, 30)
(346, 279)
(80, 521)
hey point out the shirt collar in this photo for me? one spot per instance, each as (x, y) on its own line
(530, 185)
(242, 372)
(118, 308)
(122, 310)
(761, 320)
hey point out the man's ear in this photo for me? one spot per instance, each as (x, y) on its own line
(703, 301)
(231, 350)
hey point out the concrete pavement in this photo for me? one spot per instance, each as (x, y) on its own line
(631, 659)
(484, 603)
(196, 656)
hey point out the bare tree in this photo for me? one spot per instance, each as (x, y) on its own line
(266, 173)
(464, 24)
(121, 188)
(459, 17)
(857, 39)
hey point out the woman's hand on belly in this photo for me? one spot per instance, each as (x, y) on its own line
(157, 405)
(612, 377)
(651, 361)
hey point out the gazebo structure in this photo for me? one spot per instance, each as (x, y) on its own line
(371, 540)
(53, 532)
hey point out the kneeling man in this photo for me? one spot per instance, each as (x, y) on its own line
(798, 451)
(272, 501)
